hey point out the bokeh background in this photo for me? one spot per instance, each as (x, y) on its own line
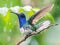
(9, 25)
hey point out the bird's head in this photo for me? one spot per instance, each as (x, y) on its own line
(22, 18)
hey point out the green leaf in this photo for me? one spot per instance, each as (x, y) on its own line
(50, 17)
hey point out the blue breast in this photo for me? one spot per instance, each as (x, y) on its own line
(22, 19)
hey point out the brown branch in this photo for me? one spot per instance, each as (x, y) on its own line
(33, 33)
(22, 40)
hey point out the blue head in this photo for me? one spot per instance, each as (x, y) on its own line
(22, 19)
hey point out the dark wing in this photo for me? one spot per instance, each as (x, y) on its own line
(40, 14)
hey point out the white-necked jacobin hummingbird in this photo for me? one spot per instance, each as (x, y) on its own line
(26, 26)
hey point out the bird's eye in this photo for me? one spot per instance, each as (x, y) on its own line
(23, 16)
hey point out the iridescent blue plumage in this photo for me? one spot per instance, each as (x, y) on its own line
(30, 24)
(22, 19)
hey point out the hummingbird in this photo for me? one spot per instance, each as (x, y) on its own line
(27, 26)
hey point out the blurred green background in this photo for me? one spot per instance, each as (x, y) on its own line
(9, 25)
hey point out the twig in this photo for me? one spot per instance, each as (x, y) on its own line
(33, 33)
